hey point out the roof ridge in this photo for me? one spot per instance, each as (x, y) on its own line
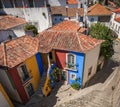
(92, 7)
(79, 41)
(4, 53)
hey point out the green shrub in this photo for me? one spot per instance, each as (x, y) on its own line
(32, 28)
(75, 85)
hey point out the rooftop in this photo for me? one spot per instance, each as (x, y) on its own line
(72, 2)
(70, 12)
(70, 41)
(117, 19)
(66, 26)
(8, 22)
(98, 10)
(58, 10)
(117, 10)
(16, 51)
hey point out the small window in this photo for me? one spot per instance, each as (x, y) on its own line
(24, 73)
(29, 89)
(73, 76)
(89, 71)
(71, 61)
(92, 20)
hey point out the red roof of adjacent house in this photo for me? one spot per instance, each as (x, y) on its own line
(18, 50)
(117, 19)
(117, 10)
(66, 26)
(8, 22)
(97, 10)
(70, 12)
(70, 41)
(58, 10)
(72, 1)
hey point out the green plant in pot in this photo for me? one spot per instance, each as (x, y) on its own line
(56, 74)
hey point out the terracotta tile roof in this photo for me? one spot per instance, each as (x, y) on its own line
(72, 1)
(70, 41)
(117, 10)
(117, 19)
(97, 10)
(7, 22)
(2, 55)
(58, 10)
(18, 50)
(72, 12)
(66, 26)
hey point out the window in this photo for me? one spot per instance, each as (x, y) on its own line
(92, 19)
(72, 76)
(29, 89)
(30, 3)
(89, 71)
(71, 61)
(23, 73)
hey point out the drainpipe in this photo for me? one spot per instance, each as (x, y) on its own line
(48, 62)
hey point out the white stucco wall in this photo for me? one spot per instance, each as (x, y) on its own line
(5, 81)
(91, 59)
(57, 2)
(19, 31)
(114, 25)
(3, 101)
(34, 15)
(89, 22)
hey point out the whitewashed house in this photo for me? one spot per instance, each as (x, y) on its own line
(33, 11)
(11, 27)
(98, 13)
(115, 22)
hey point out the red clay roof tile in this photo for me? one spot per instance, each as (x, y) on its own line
(70, 41)
(117, 19)
(66, 26)
(72, 1)
(117, 10)
(69, 12)
(58, 10)
(18, 50)
(97, 10)
(8, 22)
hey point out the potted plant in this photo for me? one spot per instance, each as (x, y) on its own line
(57, 74)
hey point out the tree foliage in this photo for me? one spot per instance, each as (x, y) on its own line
(100, 31)
(31, 27)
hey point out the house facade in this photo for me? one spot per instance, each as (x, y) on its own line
(4, 99)
(73, 52)
(11, 27)
(20, 68)
(98, 13)
(115, 22)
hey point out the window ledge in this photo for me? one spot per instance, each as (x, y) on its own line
(27, 81)
(66, 68)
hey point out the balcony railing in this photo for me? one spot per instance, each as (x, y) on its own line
(70, 66)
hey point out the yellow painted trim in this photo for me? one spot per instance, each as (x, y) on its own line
(47, 88)
(6, 96)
